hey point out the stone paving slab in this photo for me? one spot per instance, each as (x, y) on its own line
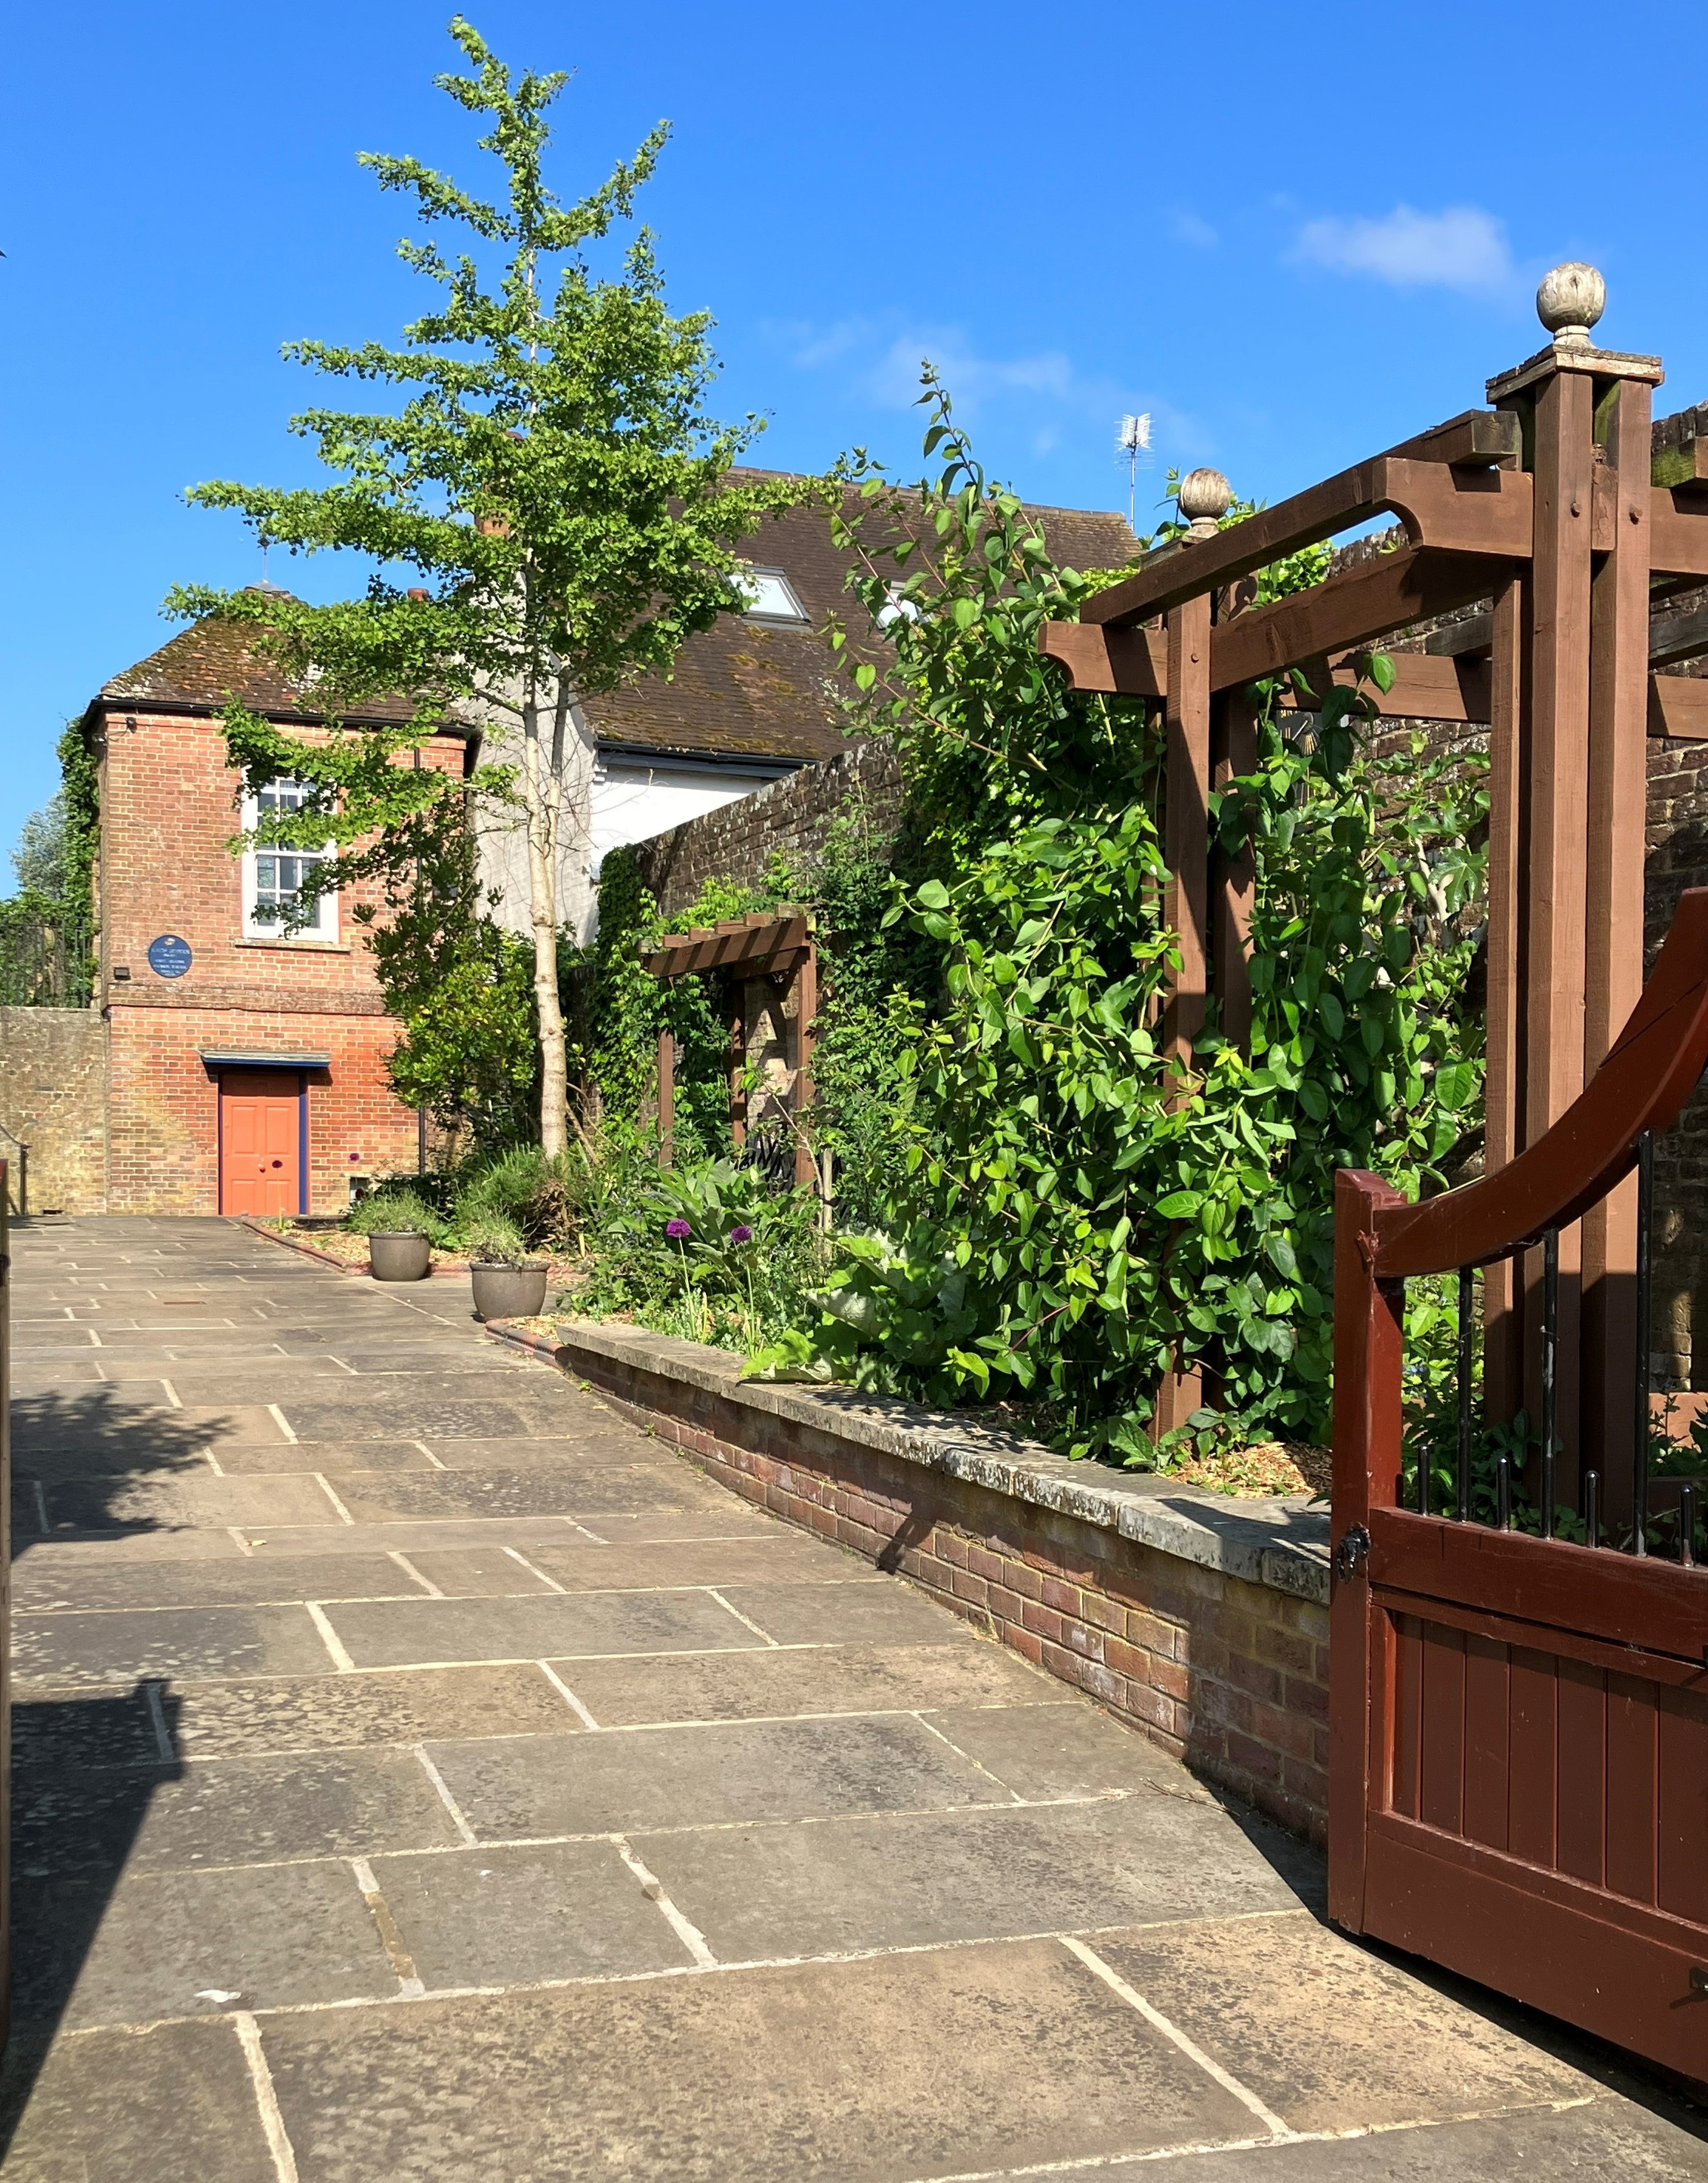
(794, 1875)
(721, 1774)
(1599, 2140)
(480, 1572)
(868, 1610)
(333, 1460)
(775, 1556)
(847, 1678)
(514, 1917)
(194, 1500)
(186, 1643)
(123, 2107)
(923, 1878)
(553, 1627)
(545, 1490)
(323, 1712)
(1257, 2001)
(939, 2063)
(187, 1943)
(240, 1581)
(232, 1813)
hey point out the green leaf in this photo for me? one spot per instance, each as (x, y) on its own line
(1455, 1083)
(1180, 1205)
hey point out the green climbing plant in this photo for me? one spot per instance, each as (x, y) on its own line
(1075, 1214)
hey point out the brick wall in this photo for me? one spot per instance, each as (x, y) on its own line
(170, 807)
(791, 817)
(1229, 1674)
(53, 1095)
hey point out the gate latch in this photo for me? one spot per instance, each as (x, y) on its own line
(1354, 1548)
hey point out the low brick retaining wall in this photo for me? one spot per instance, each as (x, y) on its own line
(1201, 1620)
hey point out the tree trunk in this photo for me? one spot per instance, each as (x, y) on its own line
(542, 792)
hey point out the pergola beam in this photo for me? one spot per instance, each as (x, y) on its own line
(762, 945)
(1456, 507)
(756, 945)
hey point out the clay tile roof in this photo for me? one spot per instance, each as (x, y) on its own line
(746, 688)
(765, 689)
(204, 667)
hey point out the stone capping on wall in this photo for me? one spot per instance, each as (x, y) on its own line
(1201, 1619)
(1281, 1543)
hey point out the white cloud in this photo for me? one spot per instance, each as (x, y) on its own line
(810, 345)
(1462, 247)
(894, 380)
(1187, 227)
(1043, 398)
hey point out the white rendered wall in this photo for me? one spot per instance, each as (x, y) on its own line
(621, 799)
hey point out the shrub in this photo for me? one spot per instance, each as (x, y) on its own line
(543, 1196)
(389, 1211)
(491, 1240)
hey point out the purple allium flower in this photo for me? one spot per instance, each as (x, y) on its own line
(741, 1234)
(677, 1230)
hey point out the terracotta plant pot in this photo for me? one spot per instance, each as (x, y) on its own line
(403, 1255)
(509, 1291)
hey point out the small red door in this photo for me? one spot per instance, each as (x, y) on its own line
(260, 1141)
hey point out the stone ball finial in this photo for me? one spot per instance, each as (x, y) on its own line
(1205, 497)
(1570, 300)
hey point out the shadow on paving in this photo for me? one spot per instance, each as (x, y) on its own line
(80, 1451)
(79, 1800)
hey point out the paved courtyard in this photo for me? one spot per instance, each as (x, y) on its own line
(423, 1774)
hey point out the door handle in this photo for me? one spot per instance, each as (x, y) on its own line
(278, 1163)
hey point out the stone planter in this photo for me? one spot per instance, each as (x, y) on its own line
(508, 1291)
(403, 1255)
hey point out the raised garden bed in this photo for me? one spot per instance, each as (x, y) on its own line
(1200, 1618)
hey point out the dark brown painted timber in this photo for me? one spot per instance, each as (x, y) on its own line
(1457, 507)
(1642, 1085)
(1519, 1729)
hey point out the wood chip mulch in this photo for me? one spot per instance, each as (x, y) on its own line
(1272, 1468)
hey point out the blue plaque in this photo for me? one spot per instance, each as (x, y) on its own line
(169, 956)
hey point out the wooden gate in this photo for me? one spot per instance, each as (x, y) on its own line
(1519, 1765)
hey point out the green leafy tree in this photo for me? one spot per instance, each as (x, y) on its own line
(551, 482)
(39, 859)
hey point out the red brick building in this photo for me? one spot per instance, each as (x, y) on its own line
(245, 1065)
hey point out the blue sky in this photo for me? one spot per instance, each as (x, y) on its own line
(1291, 235)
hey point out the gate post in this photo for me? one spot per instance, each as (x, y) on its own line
(1369, 1346)
(1567, 908)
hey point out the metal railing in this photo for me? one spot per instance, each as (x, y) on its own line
(1521, 1208)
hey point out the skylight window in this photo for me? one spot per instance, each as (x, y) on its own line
(770, 596)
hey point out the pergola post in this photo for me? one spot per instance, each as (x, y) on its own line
(738, 1068)
(1233, 736)
(667, 1096)
(1205, 497)
(806, 1009)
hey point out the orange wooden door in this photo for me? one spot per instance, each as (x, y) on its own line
(260, 1141)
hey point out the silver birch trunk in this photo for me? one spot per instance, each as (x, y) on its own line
(542, 796)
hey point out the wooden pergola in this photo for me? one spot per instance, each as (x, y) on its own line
(1542, 505)
(778, 948)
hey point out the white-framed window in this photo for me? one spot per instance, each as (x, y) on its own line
(770, 596)
(272, 877)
